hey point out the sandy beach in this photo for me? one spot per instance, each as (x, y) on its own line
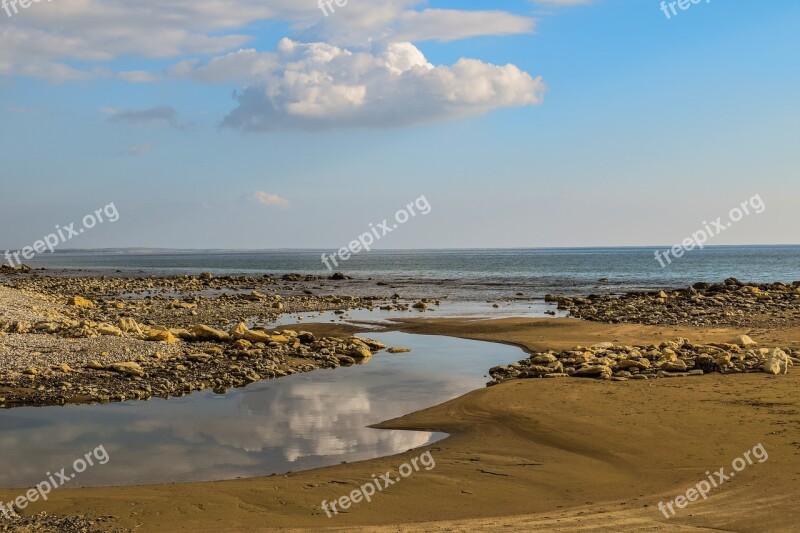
(533, 454)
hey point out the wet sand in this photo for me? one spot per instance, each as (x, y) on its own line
(537, 454)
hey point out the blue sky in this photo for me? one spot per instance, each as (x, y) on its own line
(600, 123)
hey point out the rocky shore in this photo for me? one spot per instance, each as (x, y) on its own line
(732, 303)
(79, 340)
(669, 359)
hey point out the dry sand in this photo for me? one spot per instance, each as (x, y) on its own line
(530, 455)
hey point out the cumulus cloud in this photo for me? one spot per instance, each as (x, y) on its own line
(318, 86)
(356, 68)
(265, 198)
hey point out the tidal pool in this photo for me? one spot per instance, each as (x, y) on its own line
(294, 423)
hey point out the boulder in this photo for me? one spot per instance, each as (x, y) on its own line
(109, 330)
(641, 364)
(78, 301)
(744, 341)
(398, 349)
(239, 331)
(161, 335)
(600, 372)
(543, 359)
(674, 366)
(778, 362)
(129, 325)
(372, 343)
(128, 368)
(254, 335)
(207, 333)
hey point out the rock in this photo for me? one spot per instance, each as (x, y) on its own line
(207, 333)
(162, 335)
(129, 368)
(372, 343)
(78, 301)
(345, 360)
(603, 346)
(723, 360)
(359, 351)
(109, 330)
(536, 370)
(778, 362)
(663, 374)
(420, 305)
(45, 327)
(239, 331)
(306, 337)
(641, 364)
(255, 335)
(744, 341)
(129, 325)
(543, 359)
(584, 357)
(600, 372)
(673, 366)
(398, 349)
(338, 276)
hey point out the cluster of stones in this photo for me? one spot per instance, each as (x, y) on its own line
(731, 303)
(84, 318)
(421, 305)
(62, 524)
(676, 358)
(212, 359)
(19, 269)
(127, 326)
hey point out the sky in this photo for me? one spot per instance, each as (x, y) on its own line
(260, 124)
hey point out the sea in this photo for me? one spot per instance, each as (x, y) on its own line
(463, 274)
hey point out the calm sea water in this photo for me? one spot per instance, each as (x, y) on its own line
(470, 274)
(294, 423)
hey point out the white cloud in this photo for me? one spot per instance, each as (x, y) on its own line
(367, 22)
(319, 86)
(138, 76)
(265, 198)
(47, 39)
(358, 68)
